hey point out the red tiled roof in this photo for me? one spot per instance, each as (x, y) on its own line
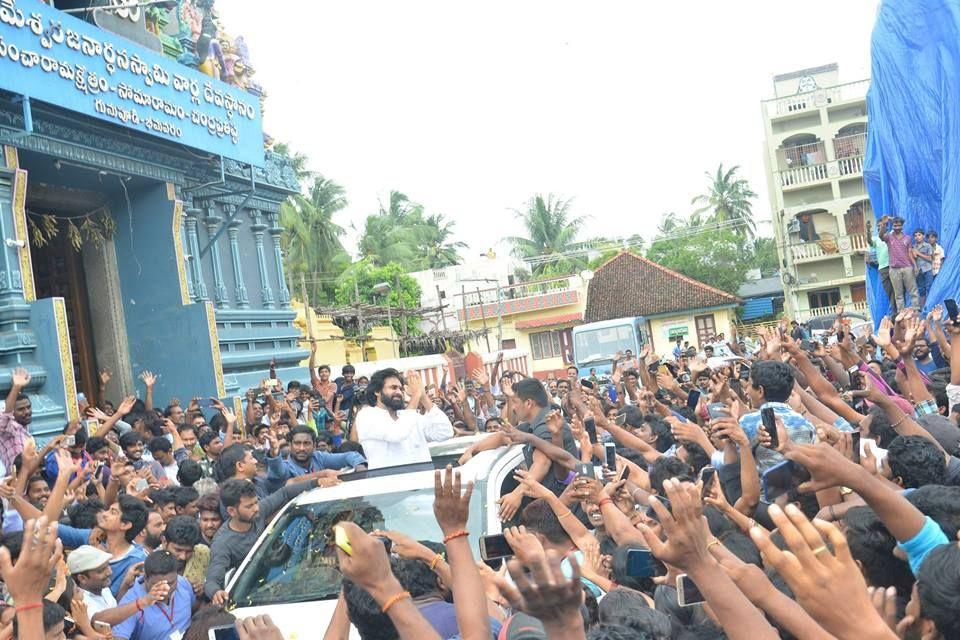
(549, 321)
(628, 285)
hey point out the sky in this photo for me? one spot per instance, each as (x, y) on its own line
(472, 108)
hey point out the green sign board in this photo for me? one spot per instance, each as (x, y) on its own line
(676, 332)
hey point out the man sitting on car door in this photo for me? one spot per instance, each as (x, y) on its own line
(391, 435)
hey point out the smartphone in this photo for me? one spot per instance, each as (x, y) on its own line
(494, 546)
(779, 479)
(591, 426)
(640, 563)
(141, 485)
(744, 373)
(855, 445)
(951, 306)
(717, 410)
(387, 543)
(273, 382)
(621, 419)
(687, 591)
(223, 632)
(654, 368)
(103, 628)
(205, 403)
(91, 425)
(624, 473)
(693, 399)
(586, 470)
(769, 420)
(610, 455)
(98, 470)
(341, 540)
(70, 441)
(586, 383)
(707, 474)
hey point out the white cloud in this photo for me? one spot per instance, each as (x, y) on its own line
(472, 108)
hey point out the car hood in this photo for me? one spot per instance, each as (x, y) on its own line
(298, 620)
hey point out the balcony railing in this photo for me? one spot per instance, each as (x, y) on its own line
(522, 290)
(803, 175)
(854, 307)
(850, 146)
(853, 243)
(816, 99)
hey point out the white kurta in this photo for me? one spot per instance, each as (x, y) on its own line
(387, 442)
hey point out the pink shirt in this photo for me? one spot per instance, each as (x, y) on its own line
(13, 437)
(899, 249)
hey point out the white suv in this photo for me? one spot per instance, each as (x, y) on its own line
(292, 574)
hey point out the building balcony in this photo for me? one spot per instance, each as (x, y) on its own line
(521, 298)
(828, 247)
(804, 176)
(791, 105)
(853, 307)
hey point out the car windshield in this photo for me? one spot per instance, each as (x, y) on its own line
(297, 561)
(603, 344)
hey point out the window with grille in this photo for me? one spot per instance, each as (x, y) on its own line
(545, 345)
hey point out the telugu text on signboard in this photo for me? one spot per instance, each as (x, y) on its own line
(54, 57)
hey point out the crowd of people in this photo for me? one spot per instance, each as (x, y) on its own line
(770, 487)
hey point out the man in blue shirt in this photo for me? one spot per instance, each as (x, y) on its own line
(771, 383)
(121, 524)
(305, 459)
(157, 620)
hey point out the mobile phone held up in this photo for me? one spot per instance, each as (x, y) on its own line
(781, 478)
(610, 455)
(640, 563)
(952, 310)
(223, 632)
(494, 546)
(769, 420)
(855, 446)
(707, 475)
(586, 470)
(717, 410)
(693, 398)
(687, 591)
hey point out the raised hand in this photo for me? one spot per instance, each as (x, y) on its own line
(480, 375)
(20, 377)
(258, 628)
(686, 530)
(509, 505)
(526, 546)
(531, 486)
(148, 378)
(451, 507)
(545, 592)
(821, 579)
(936, 314)
(105, 376)
(27, 580)
(368, 566)
(554, 422)
(414, 383)
(507, 387)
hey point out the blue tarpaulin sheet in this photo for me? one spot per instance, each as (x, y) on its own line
(757, 308)
(913, 149)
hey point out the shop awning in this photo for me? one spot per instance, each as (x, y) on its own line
(757, 308)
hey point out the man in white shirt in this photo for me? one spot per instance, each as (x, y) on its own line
(391, 435)
(90, 568)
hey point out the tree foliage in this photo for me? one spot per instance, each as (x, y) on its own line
(714, 257)
(727, 199)
(552, 232)
(401, 232)
(311, 241)
(763, 256)
(363, 276)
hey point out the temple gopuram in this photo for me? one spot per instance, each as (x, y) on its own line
(139, 206)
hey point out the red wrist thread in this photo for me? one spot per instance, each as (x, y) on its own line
(456, 534)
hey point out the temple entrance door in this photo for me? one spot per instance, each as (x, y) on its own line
(58, 272)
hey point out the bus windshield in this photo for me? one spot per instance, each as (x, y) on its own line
(602, 344)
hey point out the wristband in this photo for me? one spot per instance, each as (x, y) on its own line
(139, 606)
(394, 600)
(436, 560)
(568, 513)
(20, 608)
(456, 534)
(604, 501)
(570, 478)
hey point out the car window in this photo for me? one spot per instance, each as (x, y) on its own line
(297, 561)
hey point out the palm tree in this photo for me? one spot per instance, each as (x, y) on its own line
(311, 240)
(728, 200)
(298, 160)
(390, 235)
(550, 246)
(434, 235)
(671, 223)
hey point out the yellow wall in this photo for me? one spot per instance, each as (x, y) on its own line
(722, 320)
(333, 348)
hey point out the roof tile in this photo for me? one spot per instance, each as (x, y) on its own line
(628, 285)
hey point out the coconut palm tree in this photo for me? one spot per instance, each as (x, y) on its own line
(551, 245)
(390, 235)
(727, 199)
(311, 239)
(434, 236)
(298, 160)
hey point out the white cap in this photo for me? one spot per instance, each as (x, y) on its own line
(86, 558)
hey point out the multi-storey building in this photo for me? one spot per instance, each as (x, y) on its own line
(816, 138)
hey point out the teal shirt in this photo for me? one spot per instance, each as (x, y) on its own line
(883, 252)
